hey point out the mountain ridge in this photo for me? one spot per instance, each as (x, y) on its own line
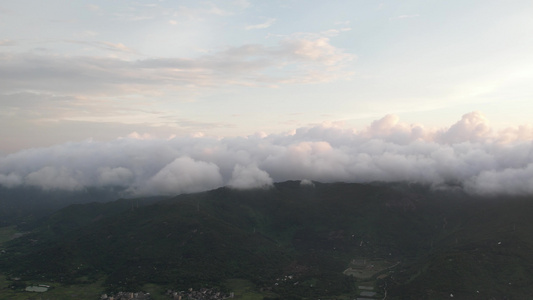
(311, 232)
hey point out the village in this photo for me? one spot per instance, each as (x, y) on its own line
(191, 294)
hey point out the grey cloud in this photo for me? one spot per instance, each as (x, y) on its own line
(467, 154)
(69, 113)
(183, 175)
(35, 106)
(245, 65)
(51, 178)
(10, 180)
(513, 181)
(114, 176)
(59, 74)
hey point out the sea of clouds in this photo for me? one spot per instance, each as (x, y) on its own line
(469, 154)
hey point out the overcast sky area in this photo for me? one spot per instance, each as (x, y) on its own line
(167, 97)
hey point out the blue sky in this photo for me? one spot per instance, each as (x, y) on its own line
(182, 96)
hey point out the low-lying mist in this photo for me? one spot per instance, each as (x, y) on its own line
(468, 154)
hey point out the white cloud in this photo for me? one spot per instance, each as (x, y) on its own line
(306, 182)
(317, 50)
(117, 47)
(472, 127)
(510, 134)
(137, 136)
(468, 153)
(335, 32)
(266, 24)
(249, 177)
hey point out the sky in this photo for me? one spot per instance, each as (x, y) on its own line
(181, 96)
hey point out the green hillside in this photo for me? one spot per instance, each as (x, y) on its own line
(24, 206)
(305, 242)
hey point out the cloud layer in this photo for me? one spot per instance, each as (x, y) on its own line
(469, 154)
(309, 59)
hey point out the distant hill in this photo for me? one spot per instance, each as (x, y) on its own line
(301, 241)
(28, 204)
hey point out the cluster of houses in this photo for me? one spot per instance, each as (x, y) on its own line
(191, 294)
(286, 279)
(202, 294)
(127, 296)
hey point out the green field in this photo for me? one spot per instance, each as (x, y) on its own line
(7, 233)
(56, 292)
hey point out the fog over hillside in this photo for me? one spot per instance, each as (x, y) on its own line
(468, 153)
